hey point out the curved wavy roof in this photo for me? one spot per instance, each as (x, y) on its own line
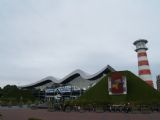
(71, 76)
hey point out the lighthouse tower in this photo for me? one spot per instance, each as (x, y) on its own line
(143, 64)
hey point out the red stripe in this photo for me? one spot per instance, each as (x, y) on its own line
(143, 72)
(142, 54)
(144, 62)
(149, 82)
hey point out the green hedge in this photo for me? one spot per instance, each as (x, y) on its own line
(34, 119)
(138, 92)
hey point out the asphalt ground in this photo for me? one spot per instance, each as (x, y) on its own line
(43, 114)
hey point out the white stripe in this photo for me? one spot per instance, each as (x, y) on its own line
(146, 77)
(144, 67)
(142, 58)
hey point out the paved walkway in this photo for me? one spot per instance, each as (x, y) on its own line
(24, 114)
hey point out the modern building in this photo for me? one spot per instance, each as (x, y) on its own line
(63, 93)
(158, 82)
(143, 64)
(77, 78)
(71, 86)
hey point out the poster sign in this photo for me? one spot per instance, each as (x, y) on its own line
(117, 84)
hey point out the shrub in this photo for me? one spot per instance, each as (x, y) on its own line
(34, 119)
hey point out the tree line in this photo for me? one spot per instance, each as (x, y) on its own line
(12, 95)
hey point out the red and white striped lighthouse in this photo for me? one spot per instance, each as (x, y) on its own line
(143, 64)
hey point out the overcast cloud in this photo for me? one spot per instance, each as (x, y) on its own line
(40, 38)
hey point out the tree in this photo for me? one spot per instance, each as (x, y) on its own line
(13, 95)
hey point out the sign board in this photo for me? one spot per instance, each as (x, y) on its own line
(117, 84)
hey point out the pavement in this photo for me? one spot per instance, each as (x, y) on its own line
(44, 114)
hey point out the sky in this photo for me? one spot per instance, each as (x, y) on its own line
(40, 38)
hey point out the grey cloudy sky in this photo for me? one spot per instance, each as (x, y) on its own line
(40, 38)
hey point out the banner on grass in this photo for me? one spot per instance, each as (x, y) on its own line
(117, 84)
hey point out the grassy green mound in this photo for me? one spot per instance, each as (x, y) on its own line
(138, 92)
